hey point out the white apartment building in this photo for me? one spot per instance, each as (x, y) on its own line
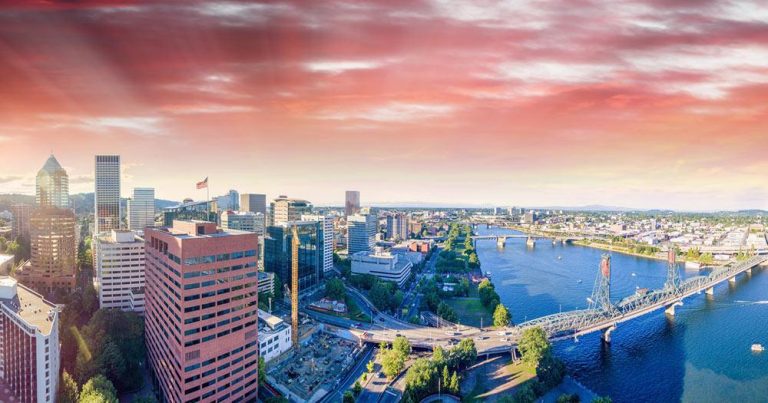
(141, 209)
(274, 336)
(383, 265)
(327, 224)
(361, 231)
(29, 335)
(266, 282)
(120, 270)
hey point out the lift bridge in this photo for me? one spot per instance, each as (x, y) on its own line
(603, 315)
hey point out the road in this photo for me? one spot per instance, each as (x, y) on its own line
(348, 381)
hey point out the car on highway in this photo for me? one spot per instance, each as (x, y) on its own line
(502, 333)
(503, 339)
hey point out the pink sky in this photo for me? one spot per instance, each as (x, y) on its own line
(651, 104)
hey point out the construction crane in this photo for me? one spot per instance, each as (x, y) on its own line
(295, 288)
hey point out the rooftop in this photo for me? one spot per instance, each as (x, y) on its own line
(29, 305)
(5, 258)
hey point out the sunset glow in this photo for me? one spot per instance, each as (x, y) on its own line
(648, 104)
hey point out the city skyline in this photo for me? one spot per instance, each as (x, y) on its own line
(640, 104)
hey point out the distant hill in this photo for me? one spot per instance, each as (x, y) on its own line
(82, 202)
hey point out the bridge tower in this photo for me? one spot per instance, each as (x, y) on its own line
(673, 275)
(601, 293)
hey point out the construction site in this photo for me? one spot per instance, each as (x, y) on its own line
(316, 368)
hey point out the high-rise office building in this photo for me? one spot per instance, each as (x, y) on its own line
(243, 221)
(201, 312)
(283, 209)
(361, 232)
(120, 270)
(190, 210)
(29, 344)
(21, 214)
(352, 202)
(397, 226)
(278, 247)
(106, 197)
(52, 185)
(253, 202)
(326, 221)
(141, 209)
(53, 248)
(229, 201)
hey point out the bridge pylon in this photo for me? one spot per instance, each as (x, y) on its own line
(673, 274)
(601, 293)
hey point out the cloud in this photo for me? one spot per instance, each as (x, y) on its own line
(204, 109)
(337, 67)
(394, 112)
(10, 178)
(80, 179)
(139, 125)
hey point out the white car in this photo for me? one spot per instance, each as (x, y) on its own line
(502, 333)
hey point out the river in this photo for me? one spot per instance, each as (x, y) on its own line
(700, 355)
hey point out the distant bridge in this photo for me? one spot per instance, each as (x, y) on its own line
(601, 316)
(501, 240)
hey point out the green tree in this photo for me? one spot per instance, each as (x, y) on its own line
(550, 371)
(370, 367)
(534, 345)
(464, 354)
(98, 390)
(501, 316)
(526, 393)
(602, 399)
(262, 371)
(335, 289)
(446, 377)
(145, 399)
(402, 346)
(68, 392)
(453, 385)
(357, 388)
(392, 362)
(566, 398)
(348, 397)
(438, 355)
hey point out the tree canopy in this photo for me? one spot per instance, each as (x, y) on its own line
(534, 345)
(501, 316)
(98, 390)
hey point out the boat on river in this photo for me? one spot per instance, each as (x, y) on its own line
(757, 348)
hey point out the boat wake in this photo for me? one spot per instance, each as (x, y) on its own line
(752, 302)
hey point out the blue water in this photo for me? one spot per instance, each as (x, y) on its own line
(700, 355)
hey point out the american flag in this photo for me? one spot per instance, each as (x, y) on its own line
(203, 184)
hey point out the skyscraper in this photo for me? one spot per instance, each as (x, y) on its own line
(326, 221)
(352, 202)
(253, 202)
(52, 185)
(21, 214)
(361, 231)
(202, 312)
(229, 201)
(141, 209)
(397, 226)
(106, 197)
(277, 252)
(29, 344)
(53, 245)
(283, 209)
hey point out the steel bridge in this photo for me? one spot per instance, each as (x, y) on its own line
(602, 315)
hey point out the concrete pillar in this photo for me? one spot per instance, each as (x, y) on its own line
(749, 271)
(671, 309)
(607, 334)
(732, 279)
(710, 290)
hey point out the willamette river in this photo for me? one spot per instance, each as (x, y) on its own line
(701, 355)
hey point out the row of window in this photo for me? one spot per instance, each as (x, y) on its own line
(191, 261)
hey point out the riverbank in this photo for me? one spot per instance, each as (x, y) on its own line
(624, 251)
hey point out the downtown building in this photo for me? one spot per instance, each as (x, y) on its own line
(361, 232)
(397, 227)
(326, 221)
(21, 215)
(278, 247)
(53, 250)
(254, 202)
(106, 196)
(382, 265)
(283, 210)
(141, 209)
(351, 202)
(201, 313)
(29, 344)
(229, 201)
(119, 269)
(52, 185)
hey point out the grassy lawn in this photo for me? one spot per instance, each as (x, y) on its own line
(514, 376)
(469, 311)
